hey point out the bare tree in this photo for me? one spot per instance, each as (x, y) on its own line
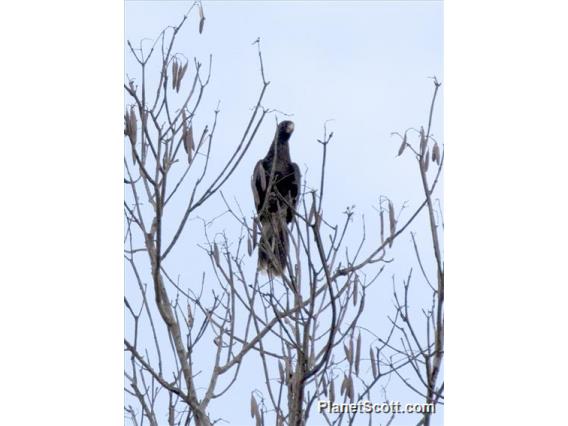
(303, 327)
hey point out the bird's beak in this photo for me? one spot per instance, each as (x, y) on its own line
(290, 127)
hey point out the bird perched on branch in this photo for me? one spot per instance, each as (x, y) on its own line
(275, 186)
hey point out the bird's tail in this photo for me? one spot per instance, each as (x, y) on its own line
(273, 246)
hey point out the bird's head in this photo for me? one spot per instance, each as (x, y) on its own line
(284, 130)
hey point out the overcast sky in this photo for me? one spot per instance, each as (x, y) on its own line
(365, 65)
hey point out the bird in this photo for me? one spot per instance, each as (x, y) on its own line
(276, 183)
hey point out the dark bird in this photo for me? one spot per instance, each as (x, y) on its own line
(275, 185)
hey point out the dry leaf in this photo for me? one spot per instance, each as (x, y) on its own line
(427, 160)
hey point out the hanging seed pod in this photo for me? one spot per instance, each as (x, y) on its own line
(436, 153)
(281, 372)
(358, 354)
(188, 142)
(189, 317)
(249, 246)
(126, 123)
(174, 73)
(181, 73)
(332, 391)
(373, 362)
(201, 19)
(382, 226)
(132, 126)
(254, 407)
(350, 388)
(423, 141)
(343, 386)
(427, 160)
(324, 385)
(392, 223)
(402, 146)
(355, 290)
(348, 354)
(216, 254)
(255, 228)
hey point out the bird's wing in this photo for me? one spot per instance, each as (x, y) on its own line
(296, 184)
(259, 183)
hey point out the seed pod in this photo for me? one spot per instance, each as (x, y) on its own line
(343, 386)
(427, 160)
(358, 354)
(382, 227)
(216, 254)
(253, 407)
(392, 223)
(181, 73)
(201, 19)
(174, 73)
(423, 141)
(373, 363)
(355, 290)
(189, 317)
(188, 142)
(281, 372)
(436, 153)
(402, 145)
(249, 246)
(332, 391)
(132, 126)
(350, 388)
(324, 385)
(255, 228)
(348, 354)
(126, 123)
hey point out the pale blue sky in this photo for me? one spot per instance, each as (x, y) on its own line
(366, 65)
